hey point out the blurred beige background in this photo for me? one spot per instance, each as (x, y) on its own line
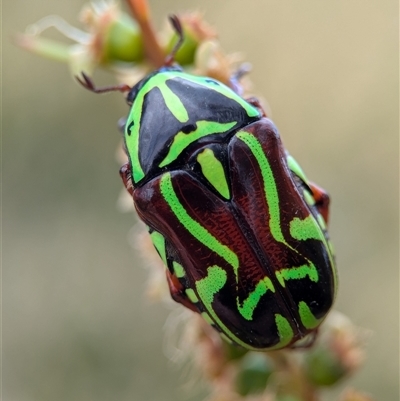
(76, 323)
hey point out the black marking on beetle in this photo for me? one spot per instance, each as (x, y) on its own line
(212, 81)
(129, 128)
(187, 129)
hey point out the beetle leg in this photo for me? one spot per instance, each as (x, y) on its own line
(234, 80)
(257, 104)
(87, 82)
(321, 200)
(177, 26)
(177, 291)
(125, 173)
(234, 84)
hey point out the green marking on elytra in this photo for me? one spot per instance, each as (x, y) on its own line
(207, 288)
(210, 285)
(307, 318)
(304, 229)
(191, 295)
(321, 221)
(272, 198)
(308, 198)
(270, 189)
(285, 330)
(159, 243)
(207, 318)
(182, 141)
(297, 273)
(299, 229)
(295, 168)
(331, 254)
(178, 270)
(330, 247)
(213, 170)
(250, 303)
(194, 227)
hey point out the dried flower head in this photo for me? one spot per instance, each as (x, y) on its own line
(111, 36)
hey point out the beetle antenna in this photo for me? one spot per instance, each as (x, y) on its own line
(87, 83)
(176, 24)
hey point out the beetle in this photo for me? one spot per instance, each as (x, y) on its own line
(240, 228)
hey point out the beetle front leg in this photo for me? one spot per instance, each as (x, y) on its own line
(125, 173)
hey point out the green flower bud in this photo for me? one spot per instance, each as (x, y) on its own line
(323, 368)
(233, 352)
(185, 55)
(123, 41)
(254, 372)
(337, 353)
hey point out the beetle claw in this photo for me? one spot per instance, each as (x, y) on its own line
(86, 82)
